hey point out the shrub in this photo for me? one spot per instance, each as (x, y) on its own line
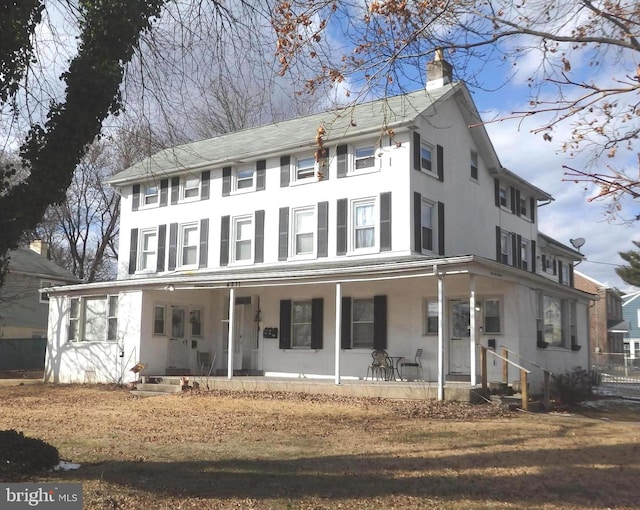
(25, 455)
(573, 386)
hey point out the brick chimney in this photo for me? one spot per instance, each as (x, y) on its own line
(40, 247)
(439, 72)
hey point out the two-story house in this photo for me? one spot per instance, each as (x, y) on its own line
(294, 249)
(631, 314)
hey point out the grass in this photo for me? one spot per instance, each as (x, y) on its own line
(250, 450)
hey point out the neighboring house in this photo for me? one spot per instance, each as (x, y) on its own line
(607, 326)
(291, 254)
(631, 314)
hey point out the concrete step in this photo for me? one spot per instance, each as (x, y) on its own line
(159, 387)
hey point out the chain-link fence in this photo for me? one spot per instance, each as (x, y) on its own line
(617, 374)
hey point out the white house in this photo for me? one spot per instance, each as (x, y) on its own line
(294, 249)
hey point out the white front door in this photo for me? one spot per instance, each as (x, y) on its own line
(459, 353)
(243, 339)
(178, 355)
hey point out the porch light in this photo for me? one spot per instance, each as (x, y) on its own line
(478, 306)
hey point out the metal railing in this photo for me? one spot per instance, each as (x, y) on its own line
(616, 374)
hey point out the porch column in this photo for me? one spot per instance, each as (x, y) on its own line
(440, 336)
(338, 330)
(472, 325)
(232, 311)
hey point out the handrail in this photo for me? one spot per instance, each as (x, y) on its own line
(526, 359)
(507, 360)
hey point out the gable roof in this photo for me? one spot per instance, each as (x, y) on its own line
(27, 261)
(630, 297)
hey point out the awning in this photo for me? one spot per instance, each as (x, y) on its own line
(617, 326)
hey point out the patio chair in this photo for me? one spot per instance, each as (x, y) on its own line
(415, 364)
(206, 363)
(381, 366)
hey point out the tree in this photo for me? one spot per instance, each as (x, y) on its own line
(579, 59)
(630, 274)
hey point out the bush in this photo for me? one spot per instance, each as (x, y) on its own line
(24, 455)
(573, 386)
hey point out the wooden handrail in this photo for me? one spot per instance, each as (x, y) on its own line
(546, 373)
(523, 373)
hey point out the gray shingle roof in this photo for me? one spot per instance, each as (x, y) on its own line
(28, 261)
(371, 117)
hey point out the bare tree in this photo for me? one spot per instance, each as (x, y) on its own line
(580, 60)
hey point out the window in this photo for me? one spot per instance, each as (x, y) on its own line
(159, 319)
(430, 317)
(301, 314)
(178, 314)
(364, 158)
(304, 226)
(362, 324)
(426, 153)
(245, 178)
(557, 321)
(565, 273)
(523, 206)
(505, 247)
(504, 196)
(363, 225)
(93, 319)
(195, 319)
(190, 188)
(524, 254)
(548, 265)
(305, 168)
(474, 165)
(148, 250)
(427, 225)
(150, 195)
(189, 244)
(242, 238)
(491, 311)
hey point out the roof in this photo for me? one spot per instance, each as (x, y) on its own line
(27, 261)
(617, 326)
(628, 298)
(561, 248)
(232, 148)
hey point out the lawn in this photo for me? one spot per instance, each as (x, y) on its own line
(272, 450)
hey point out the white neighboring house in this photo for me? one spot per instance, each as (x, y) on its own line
(405, 232)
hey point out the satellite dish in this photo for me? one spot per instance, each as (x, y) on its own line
(577, 243)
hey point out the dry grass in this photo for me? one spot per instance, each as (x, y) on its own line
(215, 450)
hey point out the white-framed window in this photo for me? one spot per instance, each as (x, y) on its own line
(305, 168)
(93, 319)
(426, 158)
(430, 317)
(304, 230)
(195, 320)
(244, 178)
(505, 197)
(159, 319)
(242, 249)
(147, 251)
(548, 265)
(492, 322)
(178, 318)
(566, 274)
(190, 188)
(426, 219)
(364, 158)
(557, 321)
(524, 254)
(189, 241)
(301, 315)
(362, 323)
(523, 205)
(363, 224)
(474, 165)
(505, 247)
(150, 195)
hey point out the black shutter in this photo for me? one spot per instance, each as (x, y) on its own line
(543, 261)
(224, 240)
(385, 221)
(496, 189)
(316, 323)
(560, 271)
(175, 188)
(532, 208)
(261, 171)
(162, 246)
(440, 156)
(379, 322)
(135, 197)
(416, 151)
(283, 234)
(341, 227)
(226, 181)
(204, 243)
(515, 249)
(571, 282)
(417, 222)
(512, 193)
(441, 230)
(555, 267)
(345, 326)
(533, 257)
(164, 192)
(517, 204)
(204, 185)
(341, 160)
(498, 243)
(285, 171)
(133, 251)
(258, 255)
(285, 324)
(173, 246)
(323, 229)
(517, 255)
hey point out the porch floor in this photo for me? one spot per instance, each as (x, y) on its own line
(460, 391)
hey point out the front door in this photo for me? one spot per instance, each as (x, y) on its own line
(459, 354)
(243, 341)
(178, 355)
